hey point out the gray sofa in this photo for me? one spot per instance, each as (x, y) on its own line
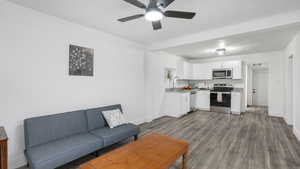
(52, 141)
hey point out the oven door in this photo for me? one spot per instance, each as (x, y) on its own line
(219, 74)
(224, 101)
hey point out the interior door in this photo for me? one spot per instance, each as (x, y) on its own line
(260, 87)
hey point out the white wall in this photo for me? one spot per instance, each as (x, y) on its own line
(249, 85)
(34, 72)
(276, 76)
(155, 84)
(294, 49)
(288, 116)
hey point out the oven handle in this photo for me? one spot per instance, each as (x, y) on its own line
(222, 92)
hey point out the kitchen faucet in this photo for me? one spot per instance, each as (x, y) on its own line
(174, 79)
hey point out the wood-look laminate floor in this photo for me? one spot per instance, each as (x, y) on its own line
(222, 141)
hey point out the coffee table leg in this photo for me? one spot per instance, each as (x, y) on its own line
(3, 151)
(184, 160)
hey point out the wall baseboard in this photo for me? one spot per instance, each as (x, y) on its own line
(139, 121)
(297, 133)
(18, 160)
(287, 121)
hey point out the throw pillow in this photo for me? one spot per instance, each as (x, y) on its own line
(114, 118)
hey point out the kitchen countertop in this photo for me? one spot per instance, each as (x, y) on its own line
(238, 90)
(180, 90)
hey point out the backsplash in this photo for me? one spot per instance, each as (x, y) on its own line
(205, 84)
(210, 83)
(178, 84)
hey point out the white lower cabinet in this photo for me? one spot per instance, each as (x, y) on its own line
(177, 104)
(236, 102)
(203, 100)
(186, 107)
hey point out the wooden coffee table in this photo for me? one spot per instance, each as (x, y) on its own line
(155, 151)
(3, 148)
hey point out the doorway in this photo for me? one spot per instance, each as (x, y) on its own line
(260, 87)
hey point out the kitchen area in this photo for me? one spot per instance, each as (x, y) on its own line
(212, 86)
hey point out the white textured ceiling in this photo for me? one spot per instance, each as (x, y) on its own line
(247, 43)
(103, 15)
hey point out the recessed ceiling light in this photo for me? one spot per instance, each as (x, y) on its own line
(221, 51)
(222, 44)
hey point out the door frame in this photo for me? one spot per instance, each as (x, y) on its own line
(289, 90)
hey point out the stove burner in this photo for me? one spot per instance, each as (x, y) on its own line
(222, 88)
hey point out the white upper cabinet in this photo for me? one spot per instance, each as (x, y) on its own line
(216, 65)
(202, 71)
(236, 67)
(238, 70)
(188, 70)
(184, 70)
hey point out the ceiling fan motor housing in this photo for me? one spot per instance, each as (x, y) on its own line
(153, 7)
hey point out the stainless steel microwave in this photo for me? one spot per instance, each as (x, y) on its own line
(222, 74)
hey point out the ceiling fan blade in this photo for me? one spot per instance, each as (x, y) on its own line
(156, 25)
(166, 3)
(136, 3)
(129, 18)
(180, 14)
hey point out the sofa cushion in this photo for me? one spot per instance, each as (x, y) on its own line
(114, 135)
(40, 130)
(95, 118)
(59, 152)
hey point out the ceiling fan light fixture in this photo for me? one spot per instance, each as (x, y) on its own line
(153, 15)
(221, 51)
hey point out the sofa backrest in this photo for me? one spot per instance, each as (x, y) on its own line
(95, 118)
(40, 130)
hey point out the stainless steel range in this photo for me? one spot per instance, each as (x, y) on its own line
(220, 98)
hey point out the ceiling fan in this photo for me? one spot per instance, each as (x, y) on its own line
(155, 11)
